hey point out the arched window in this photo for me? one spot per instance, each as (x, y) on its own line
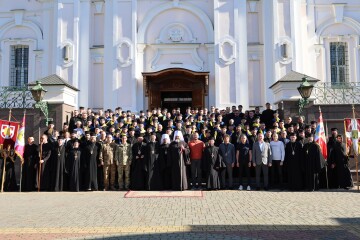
(19, 65)
(339, 62)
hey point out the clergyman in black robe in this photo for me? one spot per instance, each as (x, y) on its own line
(211, 157)
(59, 165)
(153, 166)
(293, 163)
(313, 163)
(339, 161)
(90, 159)
(44, 165)
(178, 155)
(73, 167)
(31, 157)
(9, 178)
(164, 161)
(138, 166)
(331, 174)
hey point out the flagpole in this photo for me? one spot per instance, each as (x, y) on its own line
(326, 170)
(22, 162)
(356, 154)
(4, 161)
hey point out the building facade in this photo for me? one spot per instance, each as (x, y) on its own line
(139, 54)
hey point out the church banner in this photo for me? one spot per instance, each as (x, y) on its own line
(352, 128)
(8, 133)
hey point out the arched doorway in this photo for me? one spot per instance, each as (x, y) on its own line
(176, 87)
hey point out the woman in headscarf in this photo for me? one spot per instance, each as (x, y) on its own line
(179, 156)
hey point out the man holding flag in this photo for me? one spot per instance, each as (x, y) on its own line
(339, 161)
(320, 139)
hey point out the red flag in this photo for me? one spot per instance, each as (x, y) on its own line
(8, 133)
(320, 137)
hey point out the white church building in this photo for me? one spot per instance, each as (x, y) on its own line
(140, 54)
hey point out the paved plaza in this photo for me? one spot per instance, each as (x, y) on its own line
(216, 215)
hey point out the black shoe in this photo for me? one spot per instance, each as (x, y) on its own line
(257, 189)
(266, 188)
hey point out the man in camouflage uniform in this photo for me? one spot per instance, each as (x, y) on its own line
(124, 161)
(108, 158)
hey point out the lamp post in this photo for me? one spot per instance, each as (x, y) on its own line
(38, 93)
(305, 90)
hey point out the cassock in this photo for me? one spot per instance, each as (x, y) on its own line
(178, 168)
(89, 163)
(73, 168)
(10, 179)
(138, 167)
(313, 162)
(45, 167)
(60, 170)
(164, 162)
(153, 167)
(341, 170)
(31, 157)
(331, 174)
(293, 165)
(211, 158)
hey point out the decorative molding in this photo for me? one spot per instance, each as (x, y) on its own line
(176, 33)
(338, 10)
(18, 16)
(128, 60)
(350, 22)
(69, 45)
(177, 49)
(156, 11)
(318, 48)
(285, 42)
(227, 40)
(33, 26)
(253, 6)
(97, 59)
(99, 6)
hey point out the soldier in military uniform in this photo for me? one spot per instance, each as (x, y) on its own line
(124, 161)
(108, 159)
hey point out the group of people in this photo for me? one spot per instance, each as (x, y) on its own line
(166, 150)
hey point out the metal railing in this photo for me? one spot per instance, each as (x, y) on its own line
(337, 93)
(16, 97)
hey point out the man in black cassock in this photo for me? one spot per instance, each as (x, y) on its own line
(339, 162)
(212, 161)
(44, 165)
(153, 167)
(293, 163)
(90, 159)
(165, 161)
(179, 153)
(331, 175)
(313, 163)
(138, 165)
(73, 167)
(59, 165)
(31, 157)
(9, 178)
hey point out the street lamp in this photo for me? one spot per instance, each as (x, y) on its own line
(38, 93)
(305, 90)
